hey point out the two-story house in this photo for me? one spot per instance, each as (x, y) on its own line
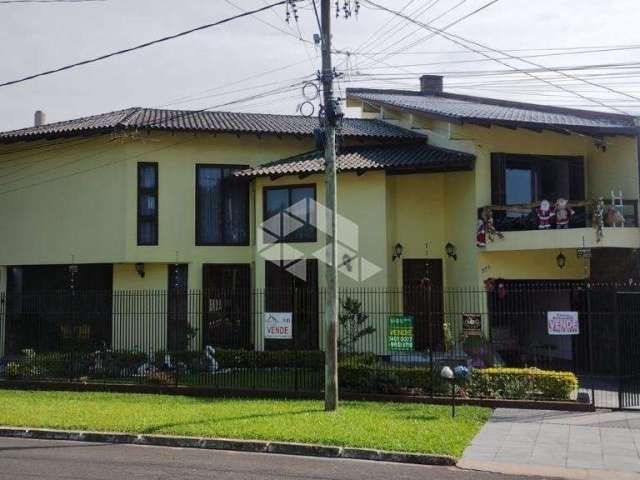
(432, 186)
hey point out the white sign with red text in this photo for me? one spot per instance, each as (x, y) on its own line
(563, 323)
(278, 325)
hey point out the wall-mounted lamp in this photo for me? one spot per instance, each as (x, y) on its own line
(140, 269)
(452, 251)
(561, 261)
(397, 252)
(346, 261)
(73, 269)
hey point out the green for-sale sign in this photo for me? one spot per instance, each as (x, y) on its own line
(400, 333)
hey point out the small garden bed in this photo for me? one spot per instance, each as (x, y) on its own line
(386, 426)
(286, 371)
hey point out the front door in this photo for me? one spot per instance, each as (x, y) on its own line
(423, 300)
(227, 305)
(286, 292)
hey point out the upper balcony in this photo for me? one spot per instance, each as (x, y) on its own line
(521, 227)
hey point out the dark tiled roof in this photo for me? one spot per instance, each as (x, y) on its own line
(417, 156)
(185, 120)
(482, 110)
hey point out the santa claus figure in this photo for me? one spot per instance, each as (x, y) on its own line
(563, 213)
(545, 214)
(481, 234)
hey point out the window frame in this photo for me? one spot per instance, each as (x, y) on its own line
(289, 188)
(499, 178)
(140, 219)
(247, 207)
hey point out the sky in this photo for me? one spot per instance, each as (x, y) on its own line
(223, 67)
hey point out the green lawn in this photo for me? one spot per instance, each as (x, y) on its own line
(387, 426)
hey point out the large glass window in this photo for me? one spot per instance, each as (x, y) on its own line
(524, 179)
(147, 204)
(290, 214)
(222, 206)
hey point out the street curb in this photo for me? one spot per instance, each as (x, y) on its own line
(254, 446)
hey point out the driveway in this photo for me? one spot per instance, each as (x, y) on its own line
(59, 460)
(603, 444)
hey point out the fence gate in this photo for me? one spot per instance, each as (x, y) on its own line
(628, 331)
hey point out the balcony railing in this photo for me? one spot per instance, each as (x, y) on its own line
(522, 217)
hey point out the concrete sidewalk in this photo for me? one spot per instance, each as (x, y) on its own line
(550, 443)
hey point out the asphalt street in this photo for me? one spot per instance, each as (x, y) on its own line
(42, 459)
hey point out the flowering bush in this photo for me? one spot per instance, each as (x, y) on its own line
(521, 384)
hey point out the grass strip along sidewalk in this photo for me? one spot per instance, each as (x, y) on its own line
(383, 426)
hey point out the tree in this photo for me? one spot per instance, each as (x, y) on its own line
(353, 324)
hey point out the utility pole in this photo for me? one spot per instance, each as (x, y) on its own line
(331, 308)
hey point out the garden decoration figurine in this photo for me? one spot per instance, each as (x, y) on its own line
(545, 214)
(598, 218)
(613, 217)
(563, 213)
(210, 355)
(486, 229)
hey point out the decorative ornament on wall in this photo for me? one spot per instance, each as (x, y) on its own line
(397, 252)
(485, 229)
(451, 250)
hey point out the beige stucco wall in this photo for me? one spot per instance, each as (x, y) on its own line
(146, 330)
(63, 203)
(3, 307)
(362, 202)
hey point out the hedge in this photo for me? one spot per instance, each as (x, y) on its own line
(385, 379)
(521, 383)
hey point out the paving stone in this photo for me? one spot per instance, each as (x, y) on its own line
(553, 460)
(621, 462)
(584, 462)
(600, 440)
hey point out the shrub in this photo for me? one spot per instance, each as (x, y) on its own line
(230, 358)
(386, 379)
(357, 359)
(353, 324)
(122, 362)
(521, 383)
(191, 360)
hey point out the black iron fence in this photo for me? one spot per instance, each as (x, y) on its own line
(391, 340)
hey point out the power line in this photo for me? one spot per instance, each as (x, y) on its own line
(387, 54)
(383, 33)
(559, 50)
(144, 45)
(459, 41)
(50, 1)
(451, 24)
(479, 60)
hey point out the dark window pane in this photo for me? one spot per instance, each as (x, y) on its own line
(236, 225)
(519, 186)
(209, 204)
(222, 207)
(303, 201)
(146, 233)
(147, 204)
(298, 214)
(148, 176)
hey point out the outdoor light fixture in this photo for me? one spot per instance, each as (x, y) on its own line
(561, 260)
(140, 269)
(346, 261)
(397, 252)
(73, 269)
(452, 251)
